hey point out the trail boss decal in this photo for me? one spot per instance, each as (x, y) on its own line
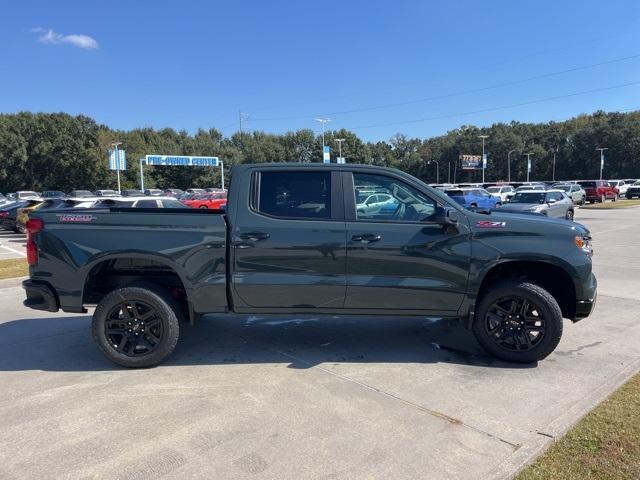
(490, 224)
(75, 218)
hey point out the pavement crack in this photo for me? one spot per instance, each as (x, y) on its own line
(434, 413)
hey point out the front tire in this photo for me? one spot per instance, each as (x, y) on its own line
(136, 326)
(603, 198)
(569, 215)
(518, 321)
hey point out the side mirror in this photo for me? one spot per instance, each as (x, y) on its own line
(447, 215)
(552, 200)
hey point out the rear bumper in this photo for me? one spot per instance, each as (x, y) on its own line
(40, 296)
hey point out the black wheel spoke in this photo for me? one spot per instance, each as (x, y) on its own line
(134, 328)
(514, 323)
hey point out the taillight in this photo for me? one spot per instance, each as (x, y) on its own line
(4, 214)
(33, 226)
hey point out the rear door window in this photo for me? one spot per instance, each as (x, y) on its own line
(303, 195)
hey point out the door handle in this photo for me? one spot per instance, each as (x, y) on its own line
(254, 236)
(366, 238)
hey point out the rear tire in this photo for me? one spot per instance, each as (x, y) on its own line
(603, 198)
(569, 215)
(615, 197)
(498, 204)
(202, 206)
(136, 326)
(513, 311)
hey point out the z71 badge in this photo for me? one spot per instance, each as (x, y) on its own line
(75, 218)
(490, 224)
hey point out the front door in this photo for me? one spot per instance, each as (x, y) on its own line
(289, 242)
(401, 258)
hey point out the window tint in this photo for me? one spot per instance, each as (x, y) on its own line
(398, 201)
(295, 194)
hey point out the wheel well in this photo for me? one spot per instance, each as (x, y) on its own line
(550, 277)
(116, 273)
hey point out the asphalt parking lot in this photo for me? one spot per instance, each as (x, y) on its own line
(310, 398)
(12, 245)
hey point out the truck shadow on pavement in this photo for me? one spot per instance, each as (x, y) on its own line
(66, 344)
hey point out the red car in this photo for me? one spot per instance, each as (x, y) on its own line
(598, 191)
(214, 201)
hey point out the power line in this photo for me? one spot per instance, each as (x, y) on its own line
(455, 94)
(491, 109)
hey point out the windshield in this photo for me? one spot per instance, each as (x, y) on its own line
(588, 184)
(528, 197)
(564, 188)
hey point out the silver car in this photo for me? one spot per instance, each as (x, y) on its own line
(553, 203)
(574, 191)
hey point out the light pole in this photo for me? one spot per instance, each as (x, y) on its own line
(553, 174)
(115, 153)
(429, 162)
(509, 165)
(528, 164)
(339, 141)
(602, 149)
(323, 121)
(484, 162)
(449, 174)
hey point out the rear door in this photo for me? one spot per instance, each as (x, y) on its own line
(288, 240)
(404, 261)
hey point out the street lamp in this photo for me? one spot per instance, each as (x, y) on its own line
(323, 121)
(483, 137)
(528, 164)
(553, 174)
(339, 141)
(509, 165)
(601, 159)
(429, 162)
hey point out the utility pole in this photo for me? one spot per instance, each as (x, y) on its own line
(484, 160)
(339, 141)
(115, 152)
(509, 165)
(323, 121)
(553, 175)
(449, 174)
(528, 164)
(602, 149)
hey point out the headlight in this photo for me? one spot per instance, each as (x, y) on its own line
(584, 243)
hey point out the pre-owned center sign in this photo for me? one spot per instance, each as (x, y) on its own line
(182, 161)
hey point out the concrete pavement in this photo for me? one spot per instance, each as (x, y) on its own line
(310, 397)
(12, 245)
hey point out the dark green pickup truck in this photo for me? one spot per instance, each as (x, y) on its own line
(307, 238)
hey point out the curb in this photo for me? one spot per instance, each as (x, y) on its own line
(12, 282)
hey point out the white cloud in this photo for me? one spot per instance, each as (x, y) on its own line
(46, 35)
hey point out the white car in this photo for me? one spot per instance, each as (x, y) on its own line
(376, 202)
(620, 185)
(502, 192)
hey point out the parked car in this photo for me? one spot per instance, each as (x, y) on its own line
(26, 194)
(9, 213)
(130, 192)
(139, 202)
(474, 198)
(598, 190)
(501, 191)
(574, 191)
(633, 191)
(552, 203)
(173, 192)
(375, 204)
(53, 194)
(107, 193)
(620, 186)
(294, 243)
(210, 200)
(4, 200)
(195, 190)
(81, 193)
(153, 192)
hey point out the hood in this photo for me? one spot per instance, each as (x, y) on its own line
(521, 207)
(526, 222)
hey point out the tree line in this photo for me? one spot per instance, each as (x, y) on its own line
(41, 151)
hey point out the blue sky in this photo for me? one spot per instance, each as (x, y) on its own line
(194, 64)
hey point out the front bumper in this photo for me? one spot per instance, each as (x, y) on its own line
(585, 307)
(40, 296)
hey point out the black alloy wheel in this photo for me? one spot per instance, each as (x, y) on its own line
(133, 328)
(515, 324)
(569, 215)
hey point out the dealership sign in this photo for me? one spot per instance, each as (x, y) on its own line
(181, 161)
(471, 162)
